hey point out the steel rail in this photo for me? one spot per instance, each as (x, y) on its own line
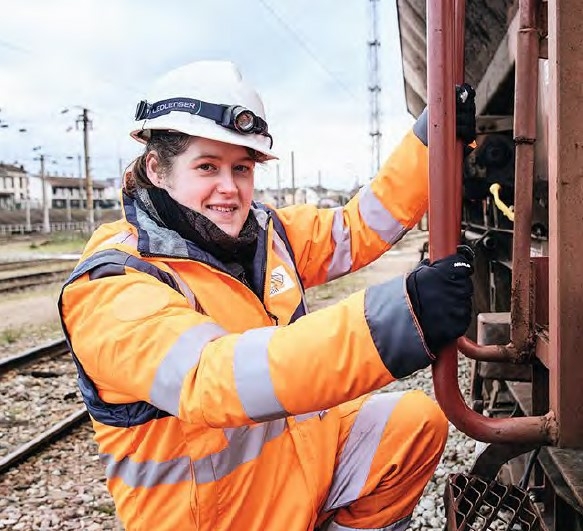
(19, 265)
(29, 280)
(53, 348)
(55, 432)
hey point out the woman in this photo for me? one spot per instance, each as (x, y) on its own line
(217, 403)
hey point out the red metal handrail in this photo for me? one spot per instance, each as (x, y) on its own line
(444, 19)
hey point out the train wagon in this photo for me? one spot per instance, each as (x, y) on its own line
(518, 201)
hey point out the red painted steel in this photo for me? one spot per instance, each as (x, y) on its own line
(525, 100)
(565, 213)
(445, 229)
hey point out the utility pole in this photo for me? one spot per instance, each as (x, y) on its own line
(84, 119)
(374, 87)
(80, 169)
(319, 178)
(46, 222)
(293, 179)
(27, 206)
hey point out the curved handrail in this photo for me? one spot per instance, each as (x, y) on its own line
(444, 226)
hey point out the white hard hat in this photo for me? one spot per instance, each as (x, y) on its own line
(208, 99)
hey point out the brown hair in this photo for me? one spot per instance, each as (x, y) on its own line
(169, 145)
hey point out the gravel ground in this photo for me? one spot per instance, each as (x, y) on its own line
(429, 515)
(35, 397)
(63, 487)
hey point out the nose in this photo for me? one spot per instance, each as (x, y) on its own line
(226, 184)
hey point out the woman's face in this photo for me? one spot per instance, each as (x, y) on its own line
(210, 177)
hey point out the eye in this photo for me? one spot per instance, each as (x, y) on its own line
(206, 167)
(243, 168)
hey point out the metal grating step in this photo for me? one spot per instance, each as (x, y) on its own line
(473, 504)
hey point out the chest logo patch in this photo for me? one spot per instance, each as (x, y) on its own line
(280, 281)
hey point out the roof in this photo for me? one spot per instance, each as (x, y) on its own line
(5, 168)
(73, 182)
(486, 27)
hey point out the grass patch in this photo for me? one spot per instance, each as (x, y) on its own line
(15, 334)
(31, 246)
(9, 336)
(61, 242)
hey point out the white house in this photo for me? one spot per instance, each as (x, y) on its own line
(13, 183)
(63, 190)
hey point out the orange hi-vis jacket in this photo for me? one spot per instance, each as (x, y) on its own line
(214, 401)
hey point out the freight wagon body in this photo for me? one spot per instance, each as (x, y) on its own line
(522, 212)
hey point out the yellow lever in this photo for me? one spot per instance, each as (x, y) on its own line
(505, 209)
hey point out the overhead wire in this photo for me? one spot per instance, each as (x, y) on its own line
(28, 125)
(306, 48)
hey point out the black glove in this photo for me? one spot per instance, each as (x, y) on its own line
(465, 113)
(465, 116)
(441, 296)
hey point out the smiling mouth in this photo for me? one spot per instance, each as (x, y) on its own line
(222, 210)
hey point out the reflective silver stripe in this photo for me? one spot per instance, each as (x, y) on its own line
(245, 445)
(401, 525)
(179, 360)
(147, 473)
(378, 218)
(281, 251)
(363, 440)
(184, 287)
(252, 376)
(342, 258)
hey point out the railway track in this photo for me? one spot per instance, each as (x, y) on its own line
(51, 349)
(39, 401)
(20, 275)
(19, 265)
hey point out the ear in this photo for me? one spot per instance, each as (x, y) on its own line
(153, 169)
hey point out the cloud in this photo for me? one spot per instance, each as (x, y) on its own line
(308, 59)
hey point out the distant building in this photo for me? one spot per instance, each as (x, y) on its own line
(316, 195)
(71, 190)
(13, 184)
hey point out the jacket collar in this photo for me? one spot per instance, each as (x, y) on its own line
(154, 240)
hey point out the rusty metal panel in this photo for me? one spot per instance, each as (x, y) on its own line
(486, 26)
(540, 277)
(565, 215)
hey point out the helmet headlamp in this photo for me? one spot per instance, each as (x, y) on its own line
(243, 119)
(234, 117)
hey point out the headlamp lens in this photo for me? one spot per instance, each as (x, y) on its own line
(244, 121)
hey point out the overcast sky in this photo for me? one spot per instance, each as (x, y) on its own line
(307, 58)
